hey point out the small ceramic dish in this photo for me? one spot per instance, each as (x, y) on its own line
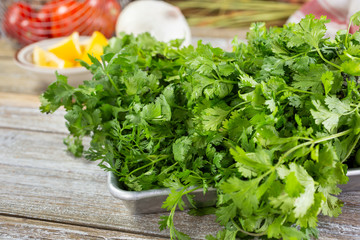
(23, 59)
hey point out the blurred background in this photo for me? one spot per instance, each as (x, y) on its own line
(28, 21)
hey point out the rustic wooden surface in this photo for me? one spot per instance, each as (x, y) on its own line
(45, 193)
(24, 228)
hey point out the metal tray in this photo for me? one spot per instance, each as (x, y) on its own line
(354, 181)
(150, 201)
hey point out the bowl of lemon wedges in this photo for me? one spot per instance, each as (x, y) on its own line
(45, 57)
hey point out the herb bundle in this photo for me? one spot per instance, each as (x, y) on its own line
(236, 13)
(272, 125)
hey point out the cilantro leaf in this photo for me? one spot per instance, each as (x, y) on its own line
(181, 148)
(312, 30)
(243, 194)
(213, 117)
(325, 117)
(327, 80)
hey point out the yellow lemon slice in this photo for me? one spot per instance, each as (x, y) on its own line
(44, 58)
(95, 46)
(69, 49)
(83, 47)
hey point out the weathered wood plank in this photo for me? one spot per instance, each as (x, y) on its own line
(17, 80)
(347, 225)
(205, 32)
(7, 50)
(22, 228)
(21, 111)
(40, 180)
(19, 100)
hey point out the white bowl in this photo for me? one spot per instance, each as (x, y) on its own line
(23, 59)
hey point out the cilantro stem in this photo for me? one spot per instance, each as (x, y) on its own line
(294, 90)
(227, 81)
(350, 56)
(220, 79)
(351, 148)
(297, 55)
(180, 107)
(218, 74)
(289, 58)
(313, 142)
(327, 61)
(178, 52)
(166, 170)
(170, 221)
(347, 34)
(146, 165)
(238, 105)
(350, 112)
(112, 82)
(299, 90)
(305, 53)
(246, 232)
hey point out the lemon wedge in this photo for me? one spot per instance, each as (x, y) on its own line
(68, 49)
(95, 46)
(44, 58)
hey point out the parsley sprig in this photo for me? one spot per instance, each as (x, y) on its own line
(272, 125)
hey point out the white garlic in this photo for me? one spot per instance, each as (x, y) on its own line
(162, 20)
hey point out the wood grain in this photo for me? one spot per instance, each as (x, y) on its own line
(16, 80)
(22, 228)
(7, 49)
(205, 32)
(19, 100)
(13, 108)
(347, 225)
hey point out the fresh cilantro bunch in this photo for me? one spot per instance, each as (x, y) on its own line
(272, 125)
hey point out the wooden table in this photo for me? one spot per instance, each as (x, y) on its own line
(45, 193)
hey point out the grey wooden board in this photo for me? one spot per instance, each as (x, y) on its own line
(347, 225)
(7, 49)
(13, 108)
(16, 80)
(12, 77)
(13, 228)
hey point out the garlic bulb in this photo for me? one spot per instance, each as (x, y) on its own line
(162, 20)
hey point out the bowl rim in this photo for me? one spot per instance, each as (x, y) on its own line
(116, 191)
(20, 58)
